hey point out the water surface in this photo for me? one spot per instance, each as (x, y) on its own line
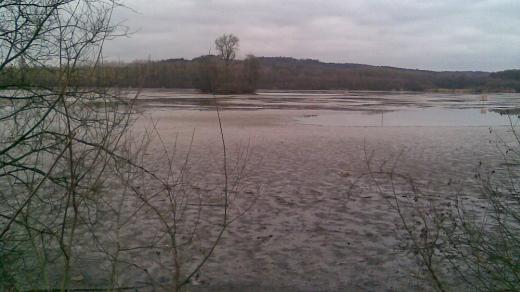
(413, 117)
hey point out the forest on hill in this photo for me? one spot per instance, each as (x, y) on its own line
(287, 73)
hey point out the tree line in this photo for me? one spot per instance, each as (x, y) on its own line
(224, 74)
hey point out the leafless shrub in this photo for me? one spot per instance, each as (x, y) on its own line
(81, 207)
(467, 240)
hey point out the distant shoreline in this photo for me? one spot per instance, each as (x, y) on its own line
(329, 91)
(273, 73)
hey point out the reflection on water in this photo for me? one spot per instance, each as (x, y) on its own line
(357, 108)
(326, 100)
(429, 117)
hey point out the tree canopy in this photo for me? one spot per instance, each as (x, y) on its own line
(227, 47)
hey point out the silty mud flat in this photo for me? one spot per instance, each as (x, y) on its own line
(309, 228)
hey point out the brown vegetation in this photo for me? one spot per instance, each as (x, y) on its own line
(468, 240)
(81, 208)
(272, 73)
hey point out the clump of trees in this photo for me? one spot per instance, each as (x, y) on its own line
(222, 74)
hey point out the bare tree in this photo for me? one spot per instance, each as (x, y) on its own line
(227, 47)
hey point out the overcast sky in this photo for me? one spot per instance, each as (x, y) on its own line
(424, 34)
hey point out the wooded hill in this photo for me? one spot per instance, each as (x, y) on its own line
(280, 73)
(289, 73)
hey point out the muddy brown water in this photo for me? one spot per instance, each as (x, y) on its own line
(307, 230)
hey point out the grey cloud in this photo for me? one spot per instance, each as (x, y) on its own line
(439, 35)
